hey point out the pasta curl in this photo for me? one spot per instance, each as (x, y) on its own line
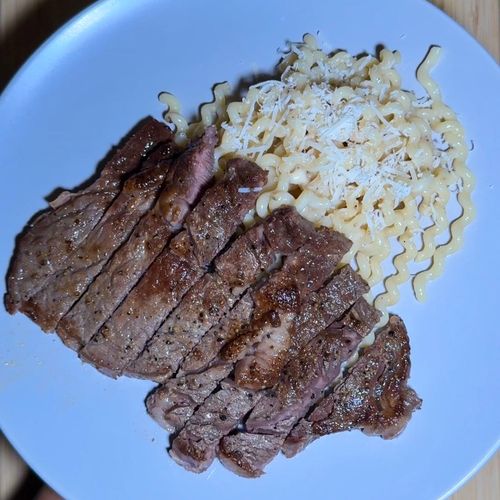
(351, 150)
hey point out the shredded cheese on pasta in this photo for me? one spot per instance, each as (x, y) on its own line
(351, 150)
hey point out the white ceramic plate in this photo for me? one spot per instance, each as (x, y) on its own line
(89, 436)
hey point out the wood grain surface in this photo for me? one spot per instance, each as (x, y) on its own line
(25, 24)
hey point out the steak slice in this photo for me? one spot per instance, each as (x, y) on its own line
(138, 195)
(302, 383)
(196, 444)
(202, 306)
(320, 309)
(222, 208)
(374, 397)
(214, 340)
(260, 248)
(255, 253)
(247, 454)
(277, 303)
(314, 369)
(187, 177)
(173, 403)
(262, 352)
(125, 333)
(48, 240)
(326, 305)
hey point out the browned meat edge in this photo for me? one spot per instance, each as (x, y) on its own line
(321, 309)
(277, 303)
(241, 451)
(214, 340)
(44, 245)
(173, 403)
(195, 446)
(314, 369)
(262, 350)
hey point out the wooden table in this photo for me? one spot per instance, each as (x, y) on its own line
(24, 24)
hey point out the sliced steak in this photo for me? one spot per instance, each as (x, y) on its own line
(173, 403)
(255, 368)
(215, 339)
(48, 240)
(255, 253)
(302, 383)
(221, 210)
(124, 335)
(208, 228)
(259, 249)
(247, 454)
(374, 397)
(187, 177)
(261, 353)
(201, 307)
(196, 445)
(326, 305)
(138, 195)
(320, 309)
(277, 303)
(314, 369)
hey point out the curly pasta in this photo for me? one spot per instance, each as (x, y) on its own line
(345, 145)
(212, 113)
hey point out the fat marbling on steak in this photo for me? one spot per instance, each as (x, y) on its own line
(261, 351)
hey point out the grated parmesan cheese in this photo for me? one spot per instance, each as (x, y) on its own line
(341, 129)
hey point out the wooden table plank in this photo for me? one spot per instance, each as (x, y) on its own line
(481, 18)
(24, 24)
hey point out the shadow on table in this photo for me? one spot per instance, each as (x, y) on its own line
(30, 489)
(17, 481)
(32, 28)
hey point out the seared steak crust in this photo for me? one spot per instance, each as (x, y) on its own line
(50, 238)
(263, 349)
(207, 230)
(196, 445)
(373, 397)
(138, 195)
(302, 383)
(186, 178)
(252, 254)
